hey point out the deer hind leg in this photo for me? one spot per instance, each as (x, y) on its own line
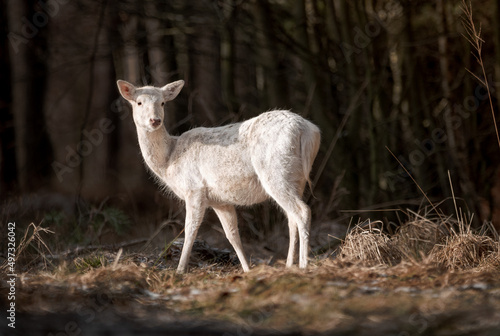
(300, 213)
(304, 228)
(299, 222)
(287, 191)
(229, 220)
(292, 227)
(195, 211)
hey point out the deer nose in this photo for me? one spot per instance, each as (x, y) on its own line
(155, 122)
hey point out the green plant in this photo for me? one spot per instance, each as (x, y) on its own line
(55, 218)
(89, 262)
(95, 221)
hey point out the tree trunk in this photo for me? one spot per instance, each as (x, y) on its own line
(244, 65)
(33, 151)
(205, 65)
(496, 31)
(315, 82)
(132, 172)
(162, 67)
(8, 168)
(354, 151)
(272, 80)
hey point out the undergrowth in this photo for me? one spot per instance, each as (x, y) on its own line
(90, 224)
(372, 275)
(427, 240)
(434, 241)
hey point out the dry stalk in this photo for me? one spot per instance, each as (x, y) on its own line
(34, 240)
(416, 183)
(473, 36)
(35, 236)
(27, 240)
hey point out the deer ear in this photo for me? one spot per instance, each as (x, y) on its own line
(170, 91)
(126, 89)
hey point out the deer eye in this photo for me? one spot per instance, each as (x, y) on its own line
(139, 103)
(162, 103)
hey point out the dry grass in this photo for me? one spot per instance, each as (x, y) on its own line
(32, 248)
(330, 295)
(368, 246)
(429, 241)
(473, 36)
(435, 242)
(418, 237)
(430, 265)
(465, 251)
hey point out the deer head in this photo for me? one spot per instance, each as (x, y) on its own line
(148, 102)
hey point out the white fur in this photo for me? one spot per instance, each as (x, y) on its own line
(269, 156)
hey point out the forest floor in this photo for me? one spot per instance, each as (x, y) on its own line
(451, 289)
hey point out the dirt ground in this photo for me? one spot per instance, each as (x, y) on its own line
(93, 294)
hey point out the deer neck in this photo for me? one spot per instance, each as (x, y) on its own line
(155, 147)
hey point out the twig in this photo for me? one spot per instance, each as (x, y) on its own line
(328, 154)
(167, 247)
(454, 199)
(80, 249)
(414, 181)
(118, 255)
(162, 226)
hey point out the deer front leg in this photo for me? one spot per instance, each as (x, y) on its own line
(194, 215)
(229, 220)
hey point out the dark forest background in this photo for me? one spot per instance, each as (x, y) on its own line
(372, 74)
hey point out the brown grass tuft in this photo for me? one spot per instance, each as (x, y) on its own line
(464, 251)
(418, 237)
(368, 247)
(106, 277)
(32, 248)
(431, 242)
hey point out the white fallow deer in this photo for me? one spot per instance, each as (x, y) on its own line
(269, 156)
